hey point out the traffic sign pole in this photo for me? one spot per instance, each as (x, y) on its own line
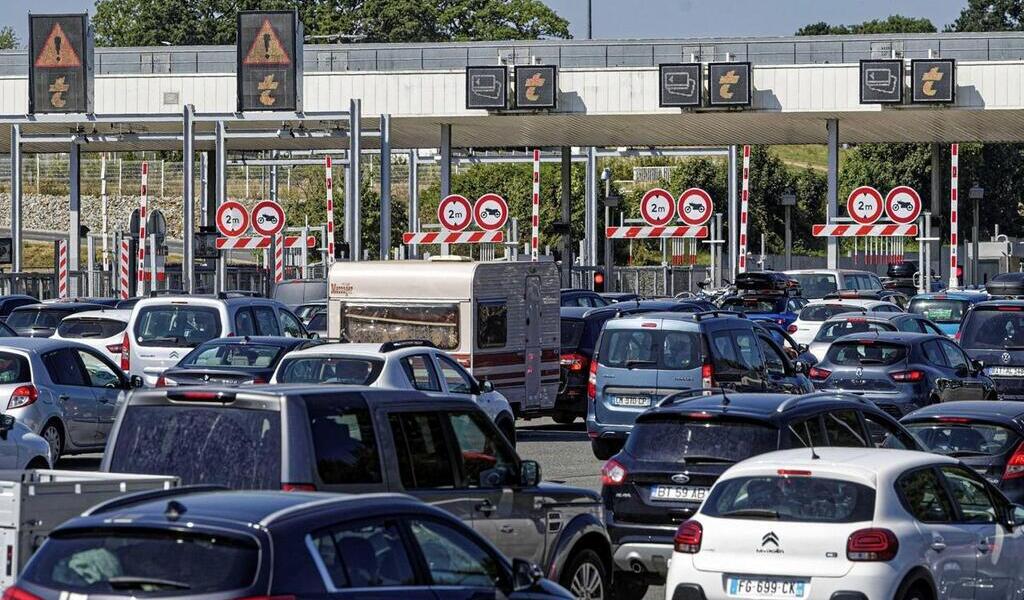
(535, 208)
(329, 181)
(143, 216)
(744, 206)
(954, 181)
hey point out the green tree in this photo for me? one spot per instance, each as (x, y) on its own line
(8, 39)
(990, 15)
(891, 24)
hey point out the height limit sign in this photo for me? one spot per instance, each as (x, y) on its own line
(269, 61)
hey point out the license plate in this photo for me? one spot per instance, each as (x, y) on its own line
(684, 493)
(764, 587)
(1006, 371)
(633, 401)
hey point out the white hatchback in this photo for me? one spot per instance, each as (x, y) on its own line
(816, 312)
(102, 330)
(850, 523)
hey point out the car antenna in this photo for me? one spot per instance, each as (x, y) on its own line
(814, 455)
(725, 399)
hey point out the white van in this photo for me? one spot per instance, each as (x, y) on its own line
(499, 319)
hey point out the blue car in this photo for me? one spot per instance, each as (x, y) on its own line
(946, 309)
(778, 308)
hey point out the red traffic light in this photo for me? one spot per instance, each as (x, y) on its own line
(598, 281)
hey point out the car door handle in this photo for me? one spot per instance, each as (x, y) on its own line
(507, 529)
(983, 546)
(485, 507)
(63, 398)
(938, 545)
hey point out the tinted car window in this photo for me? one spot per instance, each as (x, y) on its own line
(776, 363)
(98, 372)
(486, 462)
(453, 558)
(364, 555)
(238, 448)
(807, 433)
(865, 353)
(933, 352)
(179, 326)
(832, 331)
(419, 369)
(910, 325)
(735, 350)
(672, 439)
(843, 429)
(939, 311)
(318, 322)
(233, 355)
(791, 499)
(266, 321)
(26, 318)
(815, 285)
(90, 328)
(90, 562)
(457, 380)
(975, 504)
(244, 323)
(290, 325)
(343, 441)
(824, 312)
(64, 368)
(964, 439)
(954, 356)
(650, 349)
(886, 435)
(421, 447)
(755, 305)
(925, 497)
(345, 370)
(491, 324)
(572, 331)
(14, 369)
(994, 329)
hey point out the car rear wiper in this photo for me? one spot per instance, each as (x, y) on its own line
(637, 363)
(752, 513)
(871, 361)
(145, 583)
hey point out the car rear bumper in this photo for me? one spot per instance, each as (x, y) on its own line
(896, 403)
(646, 560)
(1009, 388)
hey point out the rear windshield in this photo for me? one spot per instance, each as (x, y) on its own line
(90, 328)
(379, 323)
(815, 285)
(26, 318)
(832, 331)
(14, 369)
(176, 326)
(801, 499)
(994, 329)
(234, 447)
(572, 332)
(650, 349)
(226, 356)
(824, 312)
(318, 322)
(329, 369)
(754, 305)
(718, 441)
(300, 292)
(144, 563)
(865, 353)
(964, 439)
(939, 311)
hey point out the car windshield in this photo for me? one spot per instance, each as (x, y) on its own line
(993, 328)
(176, 326)
(755, 305)
(329, 369)
(939, 311)
(650, 349)
(836, 329)
(572, 332)
(143, 563)
(815, 285)
(674, 439)
(42, 318)
(239, 356)
(233, 447)
(964, 439)
(90, 328)
(824, 312)
(865, 352)
(801, 499)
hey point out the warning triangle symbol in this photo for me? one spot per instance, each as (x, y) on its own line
(267, 48)
(58, 51)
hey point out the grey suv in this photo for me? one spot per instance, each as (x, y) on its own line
(351, 439)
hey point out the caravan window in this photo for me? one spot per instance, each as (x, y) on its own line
(375, 323)
(491, 324)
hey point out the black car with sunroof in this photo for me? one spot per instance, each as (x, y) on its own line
(678, 450)
(987, 436)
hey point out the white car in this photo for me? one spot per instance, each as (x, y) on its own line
(811, 316)
(818, 283)
(99, 329)
(402, 365)
(850, 523)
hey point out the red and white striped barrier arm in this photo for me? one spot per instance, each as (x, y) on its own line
(954, 201)
(259, 242)
(123, 267)
(62, 268)
(639, 233)
(329, 175)
(278, 257)
(143, 201)
(535, 207)
(744, 200)
(453, 237)
(890, 230)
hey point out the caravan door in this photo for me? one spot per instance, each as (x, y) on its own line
(534, 392)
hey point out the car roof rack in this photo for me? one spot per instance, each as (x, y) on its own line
(399, 344)
(140, 497)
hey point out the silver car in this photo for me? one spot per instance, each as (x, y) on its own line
(66, 392)
(21, 449)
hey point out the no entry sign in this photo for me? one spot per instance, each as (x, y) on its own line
(490, 212)
(267, 218)
(454, 213)
(903, 204)
(695, 206)
(865, 205)
(232, 219)
(657, 206)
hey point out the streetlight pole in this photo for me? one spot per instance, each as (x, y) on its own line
(788, 200)
(976, 194)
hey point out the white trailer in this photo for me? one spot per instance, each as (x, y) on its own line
(499, 319)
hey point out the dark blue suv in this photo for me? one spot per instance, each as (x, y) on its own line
(197, 542)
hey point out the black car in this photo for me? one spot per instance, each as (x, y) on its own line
(11, 302)
(778, 333)
(764, 281)
(614, 297)
(987, 436)
(678, 450)
(586, 298)
(219, 545)
(993, 332)
(901, 372)
(42, 319)
(232, 361)
(346, 439)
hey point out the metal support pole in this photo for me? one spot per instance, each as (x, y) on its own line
(220, 172)
(385, 186)
(446, 168)
(414, 199)
(832, 195)
(75, 209)
(16, 249)
(188, 200)
(153, 283)
(210, 205)
(927, 265)
(734, 209)
(566, 216)
(204, 187)
(789, 238)
(590, 232)
(975, 234)
(352, 184)
(937, 200)
(717, 278)
(90, 266)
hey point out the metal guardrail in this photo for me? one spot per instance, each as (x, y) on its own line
(564, 53)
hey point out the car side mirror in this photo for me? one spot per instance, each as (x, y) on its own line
(485, 386)
(313, 335)
(978, 365)
(136, 382)
(802, 348)
(529, 474)
(800, 367)
(1014, 516)
(525, 575)
(6, 425)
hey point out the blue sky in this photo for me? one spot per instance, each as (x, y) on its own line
(656, 18)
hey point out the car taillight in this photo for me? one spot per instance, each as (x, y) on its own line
(868, 545)
(1015, 466)
(707, 376)
(126, 356)
(23, 395)
(259, 379)
(792, 328)
(613, 473)
(592, 381)
(819, 374)
(573, 362)
(688, 537)
(115, 348)
(298, 487)
(16, 593)
(911, 376)
(956, 336)
(161, 381)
